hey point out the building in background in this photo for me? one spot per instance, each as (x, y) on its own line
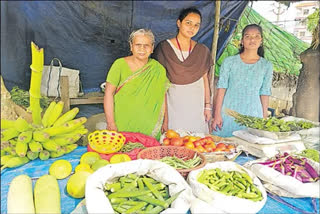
(303, 10)
(293, 19)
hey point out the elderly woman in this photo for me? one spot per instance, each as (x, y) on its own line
(136, 85)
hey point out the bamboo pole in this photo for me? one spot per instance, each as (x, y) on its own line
(214, 47)
(35, 83)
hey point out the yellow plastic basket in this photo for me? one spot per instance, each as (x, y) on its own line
(105, 141)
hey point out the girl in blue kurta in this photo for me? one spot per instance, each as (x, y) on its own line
(244, 84)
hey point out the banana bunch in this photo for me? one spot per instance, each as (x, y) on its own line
(58, 134)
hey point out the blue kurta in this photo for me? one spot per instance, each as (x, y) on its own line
(244, 83)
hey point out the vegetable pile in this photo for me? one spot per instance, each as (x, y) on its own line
(55, 136)
(180, 163)
(128, 147)
(271, 124)
(290, 165)
(310, 153)
(138, 194)
(21, 98)
(231, 183)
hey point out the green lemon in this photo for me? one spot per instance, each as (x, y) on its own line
(89, 158)
(83, 167)
(99, 163)
(60, 169)
(76, 184)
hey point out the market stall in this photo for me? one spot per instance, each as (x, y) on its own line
(38, 168)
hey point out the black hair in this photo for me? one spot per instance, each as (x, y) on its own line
(260, 49)
(186, 11)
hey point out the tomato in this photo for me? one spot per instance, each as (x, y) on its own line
(172, 134)
(186, 139)
(221, 146)
(231, 147)
(209, 138)
(177, 141)
(189, 145)
(166, 141)
(200, 149)
(218, 150)
(208, 148)
(197, 143)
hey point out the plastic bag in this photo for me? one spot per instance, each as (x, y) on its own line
(97, 202)
(284, 185)
(220, 202)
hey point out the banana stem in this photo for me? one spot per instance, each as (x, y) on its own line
(35, 83)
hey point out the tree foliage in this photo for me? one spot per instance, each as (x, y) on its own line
(313, 20)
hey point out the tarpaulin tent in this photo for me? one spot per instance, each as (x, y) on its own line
(90, 35)
(282, 49)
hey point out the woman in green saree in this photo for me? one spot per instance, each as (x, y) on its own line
(136, 86)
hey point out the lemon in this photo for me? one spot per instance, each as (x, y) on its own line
(118, 158)
(89, 158)
(99, 163)
(76, 184)
(60, 169)
(83, 167)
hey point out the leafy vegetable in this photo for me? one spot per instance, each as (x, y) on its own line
(21, 98)
(271, 124)
(310, 153)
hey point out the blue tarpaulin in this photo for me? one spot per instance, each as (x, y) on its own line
(90, 35)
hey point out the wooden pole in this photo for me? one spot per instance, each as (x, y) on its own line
(214, 48)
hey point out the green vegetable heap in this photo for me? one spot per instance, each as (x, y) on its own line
(138, 194)
(128, 147)
(232, 183)
(271, 124)
(21, 98)
(179, 163)
(311, 154)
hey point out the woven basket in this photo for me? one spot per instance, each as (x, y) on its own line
(159, 152)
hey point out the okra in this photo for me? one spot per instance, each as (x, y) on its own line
(152, 189)
(136, 207)
(153, 201)
(128, 194)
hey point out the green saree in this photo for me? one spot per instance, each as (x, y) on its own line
(139, 98)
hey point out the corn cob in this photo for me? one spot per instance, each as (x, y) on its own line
(5, 124)
(21, 149)
(35, 146)
(8, 134)
(15, 162)
(51, 146)
(47, 113)
(55, 113)
(5, 159)
(44, 155)
(22, 125)
(70, 115)
(25, 137)
(40, 136)
(32, 155)
(57, 154)
(70, 148)
(66, 128)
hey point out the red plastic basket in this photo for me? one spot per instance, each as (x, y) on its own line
(158, 152)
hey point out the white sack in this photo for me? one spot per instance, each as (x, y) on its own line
(284, 185)
(220, 202)
(97, 202)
